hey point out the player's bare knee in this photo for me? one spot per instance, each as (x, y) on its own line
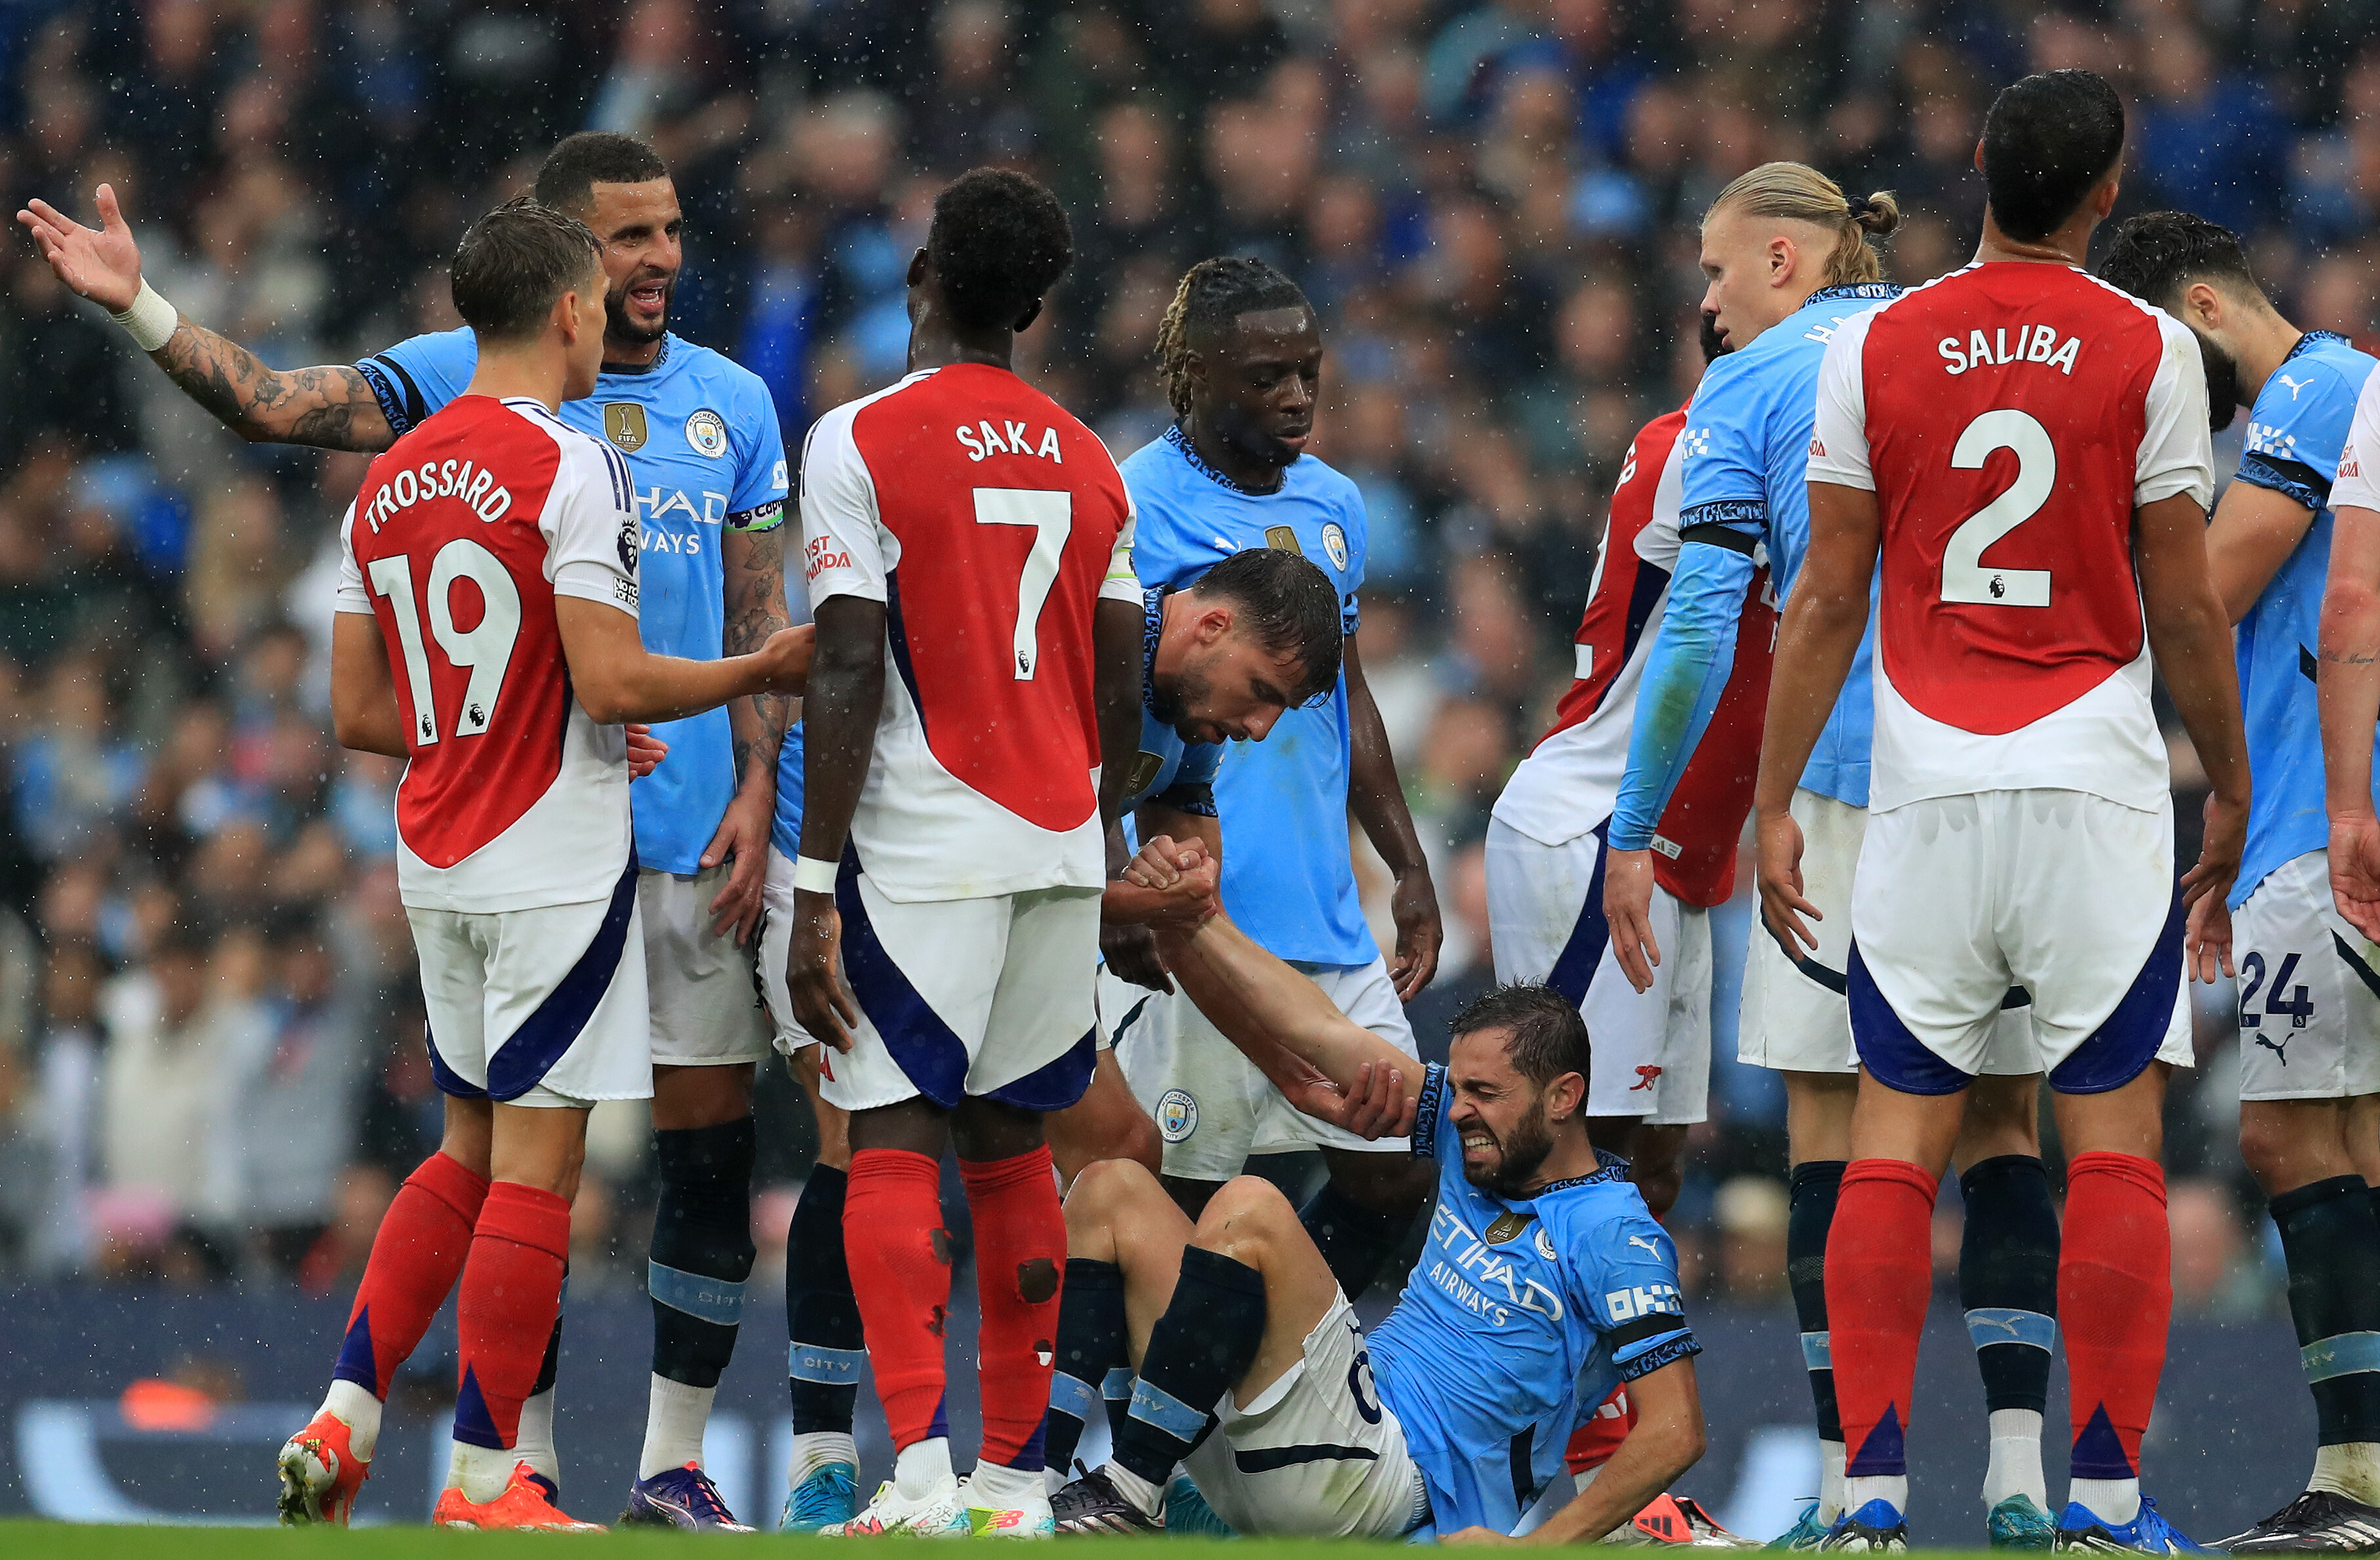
(1108, 1189)
(2287, 1146)
(1244, 1219)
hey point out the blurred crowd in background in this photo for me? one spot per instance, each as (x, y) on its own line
(211, 1057)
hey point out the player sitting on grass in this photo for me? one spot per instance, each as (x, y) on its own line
(1545, 1282)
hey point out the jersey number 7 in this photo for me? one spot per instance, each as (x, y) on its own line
(486, 649)
(1052, 515)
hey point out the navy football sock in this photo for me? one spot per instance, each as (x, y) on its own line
(1091, 1347)
(1816, 1183)
(702, 1248)
(2330, 1238)
(2007, 1278)
(1203, 1345)
(821, 1316)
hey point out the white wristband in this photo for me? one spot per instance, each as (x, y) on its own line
(813, 876)
(150, 321)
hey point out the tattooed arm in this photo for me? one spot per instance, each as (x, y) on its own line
(330, 407)
(755, 604)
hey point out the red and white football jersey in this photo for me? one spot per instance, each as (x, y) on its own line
(1567, 784)
(989, 521)
(2009, 418)
(465, 531)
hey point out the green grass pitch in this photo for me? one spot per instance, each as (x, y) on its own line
(61, 1540)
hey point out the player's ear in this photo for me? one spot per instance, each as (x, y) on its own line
(918, 267)
(1780, 259)
(1214, 623)
(1025, 321)
(1565, 1096)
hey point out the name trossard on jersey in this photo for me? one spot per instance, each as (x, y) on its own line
(464, 533)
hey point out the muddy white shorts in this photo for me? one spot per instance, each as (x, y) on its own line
(1546, 923)
(542, 1006)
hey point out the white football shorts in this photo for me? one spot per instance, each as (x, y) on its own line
(1213, 1106)
(2069, 896)
(1795, 1015)
(2309, 1015)
(542, 1007)
(776, 940)
(706, 997)
(1369, 1489)
(1544, 920)
(990, 998)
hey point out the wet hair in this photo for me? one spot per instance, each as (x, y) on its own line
(1798, 192)
(2046, 140)
(2156, 254)
(567, 177)
(1214, 293)
(999, 243)
(1545, 1038)
(1291, 608)
(514, 262)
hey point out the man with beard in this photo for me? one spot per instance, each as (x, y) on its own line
(706, 465)
(2309, 1020)
(1544, 1285)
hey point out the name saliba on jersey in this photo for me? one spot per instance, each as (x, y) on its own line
(2034, 344)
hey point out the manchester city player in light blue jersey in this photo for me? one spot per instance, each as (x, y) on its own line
(1545, 1284)
(1789, 258)
(703, 447)
(1243, 357)
(2309, 1018)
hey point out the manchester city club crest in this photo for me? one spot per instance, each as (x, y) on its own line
(707, 434)
(1334, 542)
(623, 424)
(1177, 1114)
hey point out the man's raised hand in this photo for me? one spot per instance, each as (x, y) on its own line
(102, 264)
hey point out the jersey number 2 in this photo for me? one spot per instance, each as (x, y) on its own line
(486, 649)
(1965, 577)
(1052, 515)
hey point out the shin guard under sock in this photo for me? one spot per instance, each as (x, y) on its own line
(701, 1251)
(1020, 1256)
(1091, 1346)
(2007, 1286)
(900, 1257)
(821, 1318)
(1197, 1351)
(2331, 1240)
(419, 1253)
(2114, 1297)
(1879, 1270)
(510, 1294)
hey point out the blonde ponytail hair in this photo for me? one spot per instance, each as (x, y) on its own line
(1797, 192)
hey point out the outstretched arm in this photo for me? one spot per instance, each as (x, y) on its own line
(331, 406)
(1667, 1440)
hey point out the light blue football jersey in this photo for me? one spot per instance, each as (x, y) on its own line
(1746, 454)
(701, 435)
(1287, 877)
(1519, 1313)
(1168, 769)
(2296, 433)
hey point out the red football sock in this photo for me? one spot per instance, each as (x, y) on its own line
(900, 1259)
(512, 1292)
(2114, 1297)
(1020, 1257)
(415, 1257)
(1880, 1273)
(1592, 1444)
